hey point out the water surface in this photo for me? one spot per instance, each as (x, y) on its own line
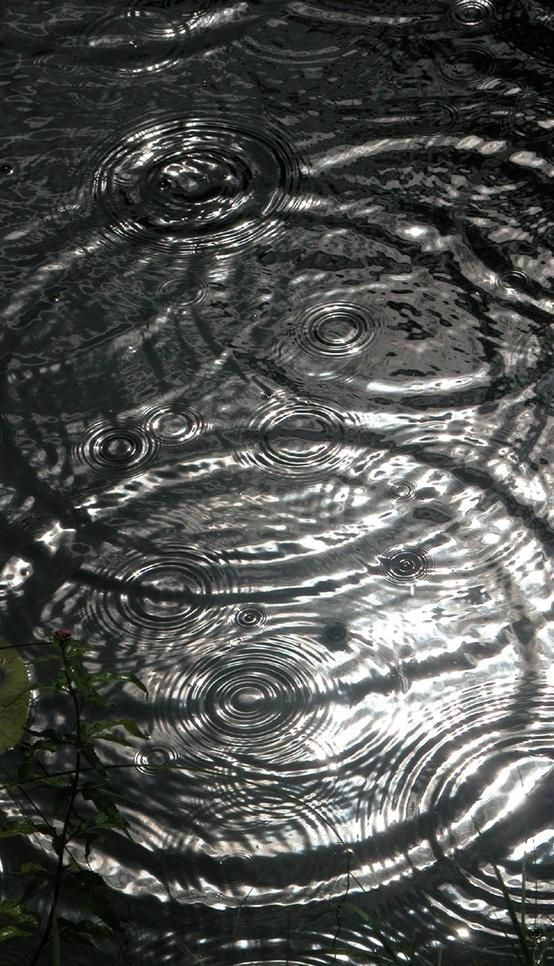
(275, 435)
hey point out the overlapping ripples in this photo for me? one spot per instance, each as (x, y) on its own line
(227, 874)
(172, 426)
(460, 790)
(109, 450)
(155, 604)
(324, 547)
(304, 440)
(282, 41)
(204, 182)
(256, 704)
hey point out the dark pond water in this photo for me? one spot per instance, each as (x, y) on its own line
(276, 395)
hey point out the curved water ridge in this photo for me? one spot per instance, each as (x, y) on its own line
(185, 184)
(275, 435)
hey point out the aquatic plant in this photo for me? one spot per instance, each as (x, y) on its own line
(532, 946)
(61, 767)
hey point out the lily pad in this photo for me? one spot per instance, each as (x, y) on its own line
(14, 700)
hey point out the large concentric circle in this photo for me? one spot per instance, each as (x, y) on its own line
(300, 439)
(257, 703)
(182, 184)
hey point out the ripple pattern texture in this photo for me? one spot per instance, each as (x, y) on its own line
(276, 403)
(186, 184)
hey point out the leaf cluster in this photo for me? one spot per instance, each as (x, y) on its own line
(62, 767)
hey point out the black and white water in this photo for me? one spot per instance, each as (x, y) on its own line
(276, 400)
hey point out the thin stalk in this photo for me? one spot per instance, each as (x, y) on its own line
(68, 771)
(528, 958)
(69, 811)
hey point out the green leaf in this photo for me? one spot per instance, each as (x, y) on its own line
(84, 931)
(14, 696)
(527, 956)
(99, 728)
(99, 822)
(22, 827)
(14, 910)
(132, 727)
(102, 676)
(34, 884)
(137, 682)
(92, 892)
(55, 781)
(88, 752)
(28, 867)
(10, 932)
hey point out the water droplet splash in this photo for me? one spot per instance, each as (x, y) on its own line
(251, 617)
(472, 13)
(406, 564)
(152, 760)
(112, 450)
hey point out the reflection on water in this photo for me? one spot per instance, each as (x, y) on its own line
(275, 434)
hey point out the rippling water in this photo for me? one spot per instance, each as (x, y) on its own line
(276, 435)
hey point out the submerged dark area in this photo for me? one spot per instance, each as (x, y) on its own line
(276, 399)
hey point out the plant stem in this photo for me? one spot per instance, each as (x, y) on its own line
(72, 795)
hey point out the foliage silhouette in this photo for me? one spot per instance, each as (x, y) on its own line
(61, 766)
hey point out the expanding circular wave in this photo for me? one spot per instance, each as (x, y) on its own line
(330, 341)
(167, 18)
(472, 14)
(226, 873)
(532, 123)
(340, 328)
(251, 617)
(173, 427)
(466, 64)
(153, 759)
(184, 184)
(513, 281)
(456, 792)
(184, 290)
(256, 705)
(181, 594)
(401, 490)
(298, 440)
(426, 117)
(285, 41)
(406, 564)
(132, 41)
(111, 450)
(321, 350)
(528, 29)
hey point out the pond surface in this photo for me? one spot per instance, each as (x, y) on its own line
(276, 435)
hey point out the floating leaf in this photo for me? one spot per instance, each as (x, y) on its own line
(14, 696)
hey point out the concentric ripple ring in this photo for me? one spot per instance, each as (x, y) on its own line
(184, 184)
